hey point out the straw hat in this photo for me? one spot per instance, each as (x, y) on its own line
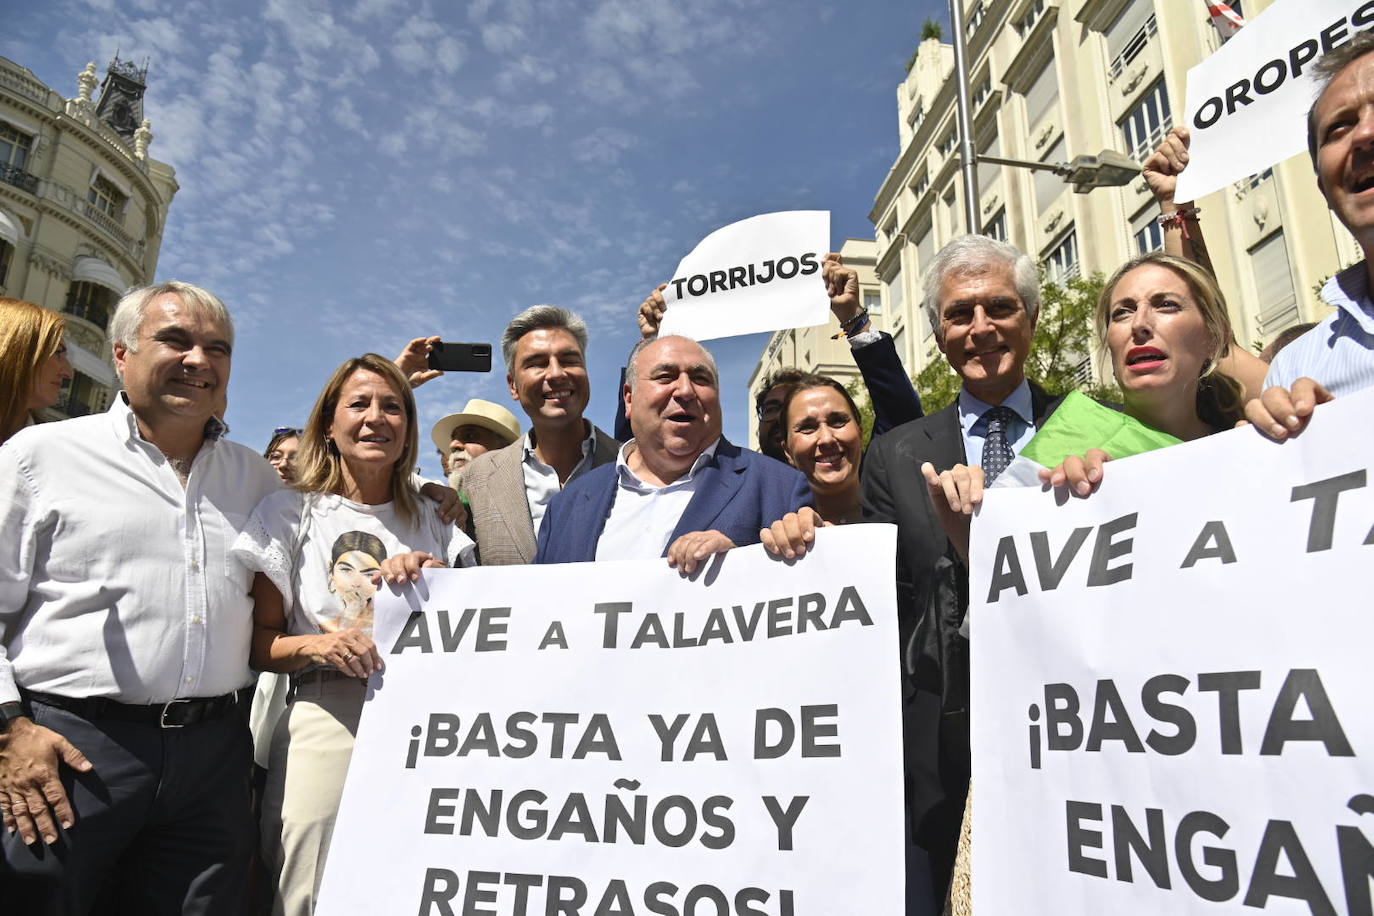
(477, 412)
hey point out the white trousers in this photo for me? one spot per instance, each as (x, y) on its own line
(311, 748)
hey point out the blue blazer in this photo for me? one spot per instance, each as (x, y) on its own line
(739, 493)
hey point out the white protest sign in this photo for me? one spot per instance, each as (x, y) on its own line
(1248, 102)
(759, 274)
(613, 738)
(1171, 682)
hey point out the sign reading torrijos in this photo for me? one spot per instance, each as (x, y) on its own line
(1171, 681)
(759, 274)
(614, 738)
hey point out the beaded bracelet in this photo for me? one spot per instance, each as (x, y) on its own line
(1180, 218)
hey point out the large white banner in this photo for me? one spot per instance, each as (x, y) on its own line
(1172, 682)
(759, 274)
(613, 738)
(1248, 102)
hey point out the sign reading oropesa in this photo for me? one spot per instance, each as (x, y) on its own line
(1171, 684)
(760, 274)
(1248, 102)
(613, 738)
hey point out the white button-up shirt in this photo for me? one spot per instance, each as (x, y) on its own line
(644, 516)
(1020, 431)
(115, 581)
(541, 480)
(1338, 352)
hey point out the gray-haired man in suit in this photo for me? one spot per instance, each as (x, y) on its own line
(509, 489)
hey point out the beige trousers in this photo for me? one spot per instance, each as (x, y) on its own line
(311, 748)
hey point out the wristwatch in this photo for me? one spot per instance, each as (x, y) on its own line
(9, 712)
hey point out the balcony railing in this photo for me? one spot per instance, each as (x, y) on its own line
(21, 179)
(97, 313)
(1133, 48)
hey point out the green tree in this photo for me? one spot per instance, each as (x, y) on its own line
(1063, 340)
(931, 28)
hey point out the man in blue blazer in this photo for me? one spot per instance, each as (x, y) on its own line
(679, 489)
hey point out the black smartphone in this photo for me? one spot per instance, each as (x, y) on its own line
(460, 357)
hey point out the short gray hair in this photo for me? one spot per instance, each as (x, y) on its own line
(632, 364)
(971, 256)
(1329, 66)
(538, 317)
(133, 308)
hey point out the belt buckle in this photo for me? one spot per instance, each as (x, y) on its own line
(162, 719)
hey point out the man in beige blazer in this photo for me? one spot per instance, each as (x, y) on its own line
(508, 489)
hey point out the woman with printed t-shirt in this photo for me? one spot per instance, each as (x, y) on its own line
(319, 550)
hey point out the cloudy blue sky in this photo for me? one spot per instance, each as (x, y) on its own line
(358, 173)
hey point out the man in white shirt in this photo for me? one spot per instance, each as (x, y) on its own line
(678, 489)
(124, 631)
(509, 489)
(1336, 357)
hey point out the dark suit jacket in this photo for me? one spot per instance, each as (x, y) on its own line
(739, 493)
(932, 598)
(890, 391)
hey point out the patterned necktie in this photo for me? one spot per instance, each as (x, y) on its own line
(997, 453)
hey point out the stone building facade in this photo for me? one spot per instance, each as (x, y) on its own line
(82, 209)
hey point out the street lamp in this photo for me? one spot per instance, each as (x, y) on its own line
(1108, 169)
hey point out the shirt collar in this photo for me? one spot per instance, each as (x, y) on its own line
(588, 443)
(126, 424)
(1349, 292)
(971, 409)
(630, 479)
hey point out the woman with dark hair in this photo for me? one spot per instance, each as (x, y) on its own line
(822, 436)
(33, 362)
(281, 452)
(317, 549)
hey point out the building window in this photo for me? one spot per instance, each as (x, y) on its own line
(988, 172)
(1254, 181)
(82, 395)
(917, 115)
(975, 19)
(980, 95)
(1278, 306)
(948, 144)
(1027, 22)
(1048, 185)
(894, 292)
(996, 227)
(1041, 95)
(14, 147)
(921, 184)
(1146, 124)
(1130, 35)
(1147, 232)
(1061, 264)
(873, 302)
(105, 197)
(6, 255)
(92, 302)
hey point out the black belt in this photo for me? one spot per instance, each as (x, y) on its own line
(175, 714)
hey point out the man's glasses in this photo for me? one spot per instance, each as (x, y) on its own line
(769, 410)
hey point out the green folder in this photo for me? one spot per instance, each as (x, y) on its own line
(1081, 423)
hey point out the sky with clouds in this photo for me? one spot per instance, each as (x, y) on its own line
(354, 174)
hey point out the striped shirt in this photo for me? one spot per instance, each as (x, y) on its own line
(1338, 352)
